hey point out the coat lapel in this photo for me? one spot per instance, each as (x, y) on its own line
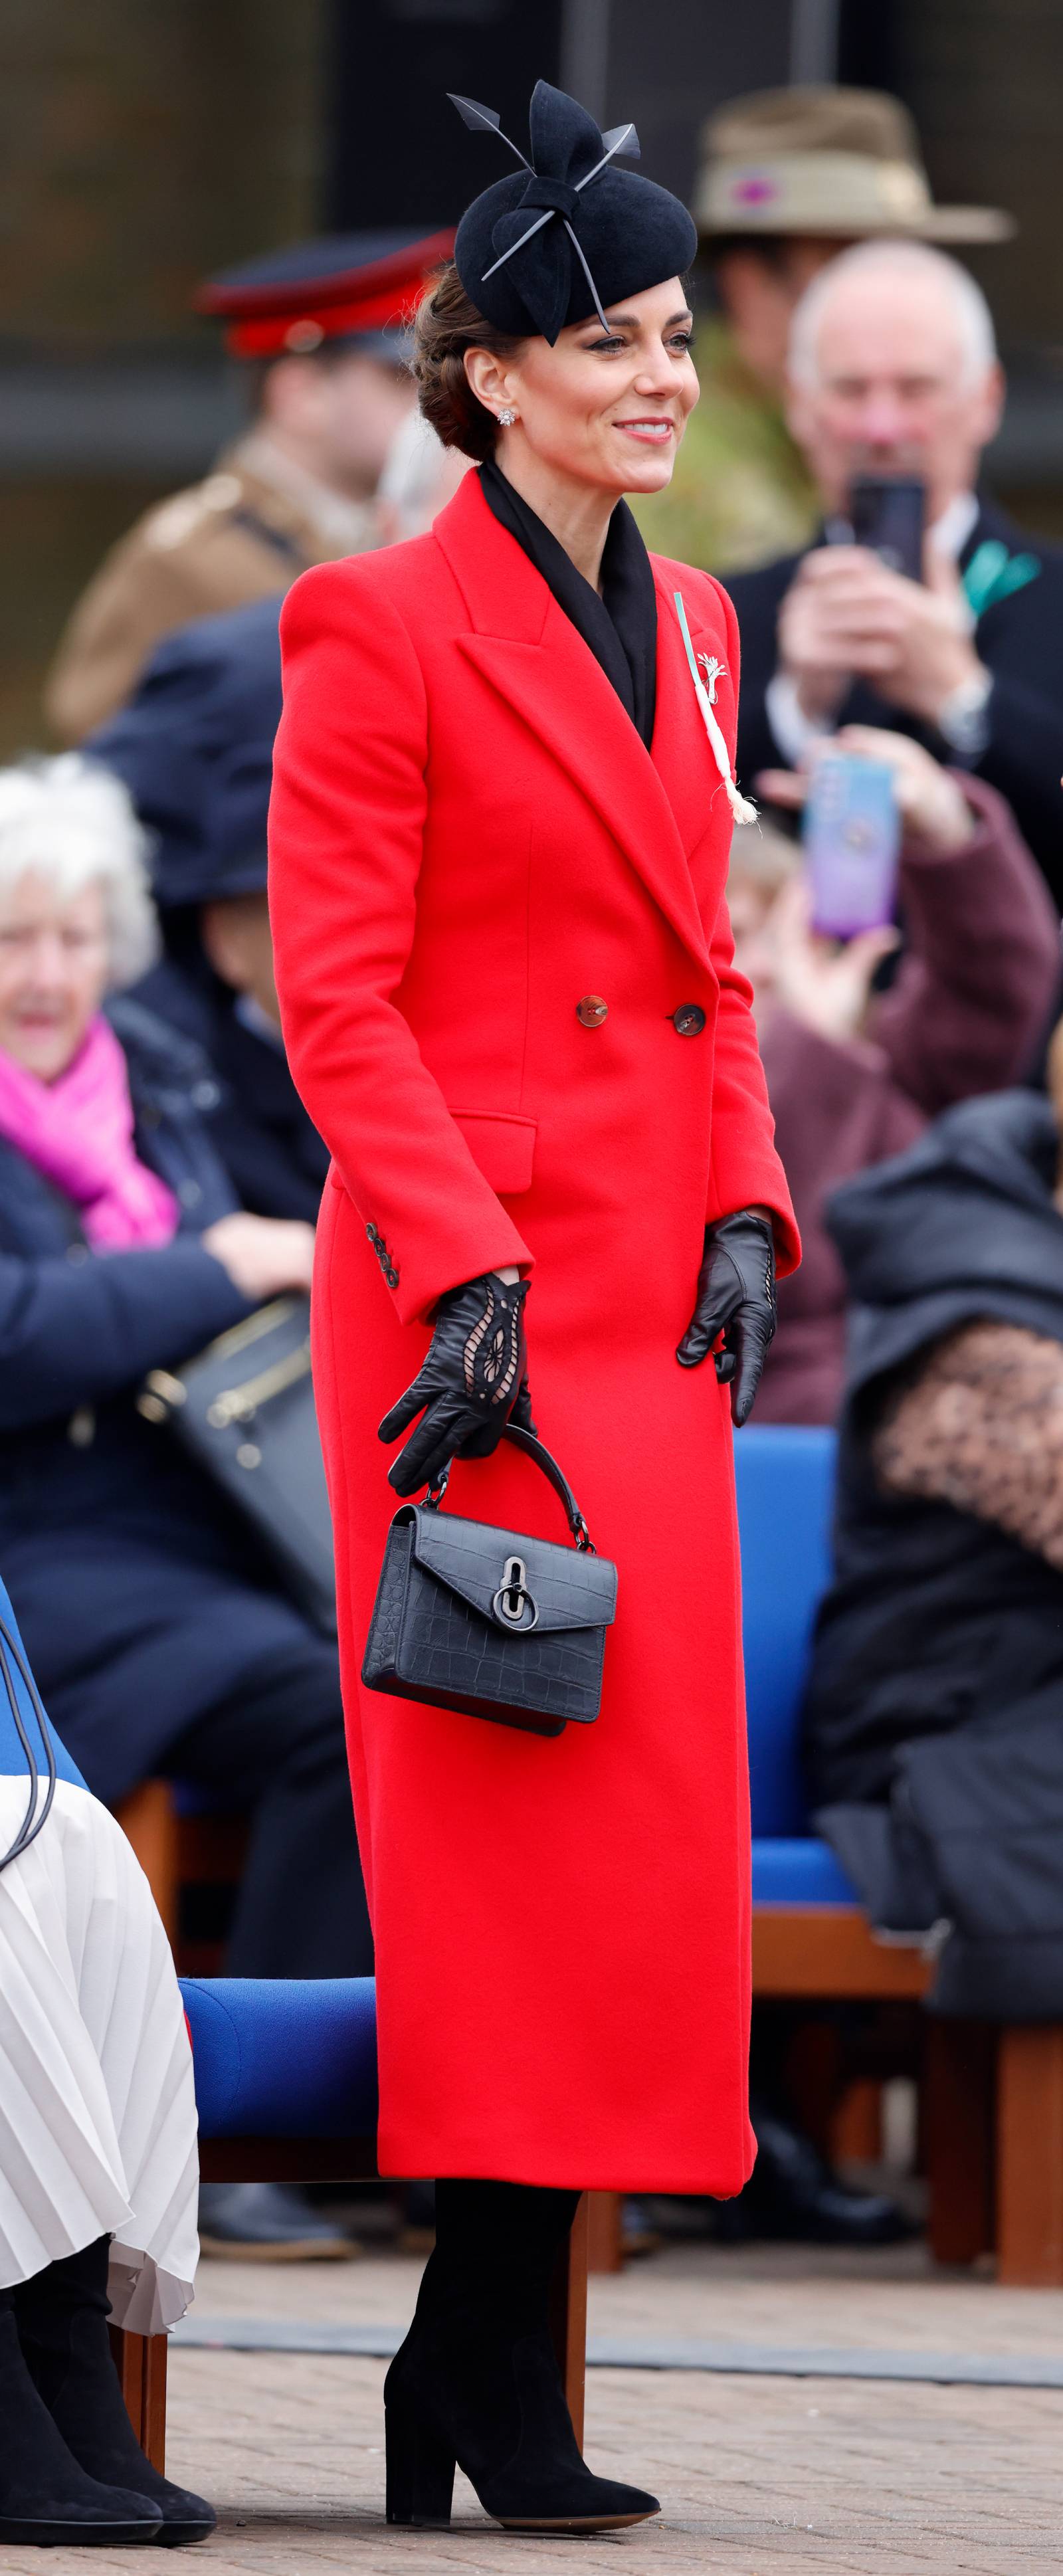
(529, 652)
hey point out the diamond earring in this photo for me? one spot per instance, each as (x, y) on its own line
(507, 417)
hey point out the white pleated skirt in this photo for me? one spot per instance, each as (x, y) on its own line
(97, 2104)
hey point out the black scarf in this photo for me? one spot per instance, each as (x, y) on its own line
(621, 626)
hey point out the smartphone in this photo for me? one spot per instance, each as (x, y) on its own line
(852, 836)
(887, 512)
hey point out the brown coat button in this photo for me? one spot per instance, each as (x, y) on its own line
(689, 1020)
(592, 1011)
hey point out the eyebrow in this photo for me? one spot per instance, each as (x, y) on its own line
(629, 321)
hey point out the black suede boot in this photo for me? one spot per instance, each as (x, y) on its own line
(46, 2500)
(62, 2327)
(476, 2381)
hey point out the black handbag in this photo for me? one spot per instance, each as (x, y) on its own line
(244, 1409)
(489, 1621)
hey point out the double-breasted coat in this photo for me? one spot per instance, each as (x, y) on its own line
(469, 840)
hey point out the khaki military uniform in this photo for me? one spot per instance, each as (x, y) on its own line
(236, 537)
(741, 493)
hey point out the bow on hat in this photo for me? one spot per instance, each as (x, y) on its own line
(569, 152)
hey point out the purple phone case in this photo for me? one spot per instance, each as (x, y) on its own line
(852, 838)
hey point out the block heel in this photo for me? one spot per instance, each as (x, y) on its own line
(420, 2469)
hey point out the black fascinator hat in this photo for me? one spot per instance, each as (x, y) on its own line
(568, 234)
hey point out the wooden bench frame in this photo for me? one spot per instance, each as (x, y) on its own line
(994, 2095)
(993, 2098)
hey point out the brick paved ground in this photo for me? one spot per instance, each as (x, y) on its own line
(760, 2477)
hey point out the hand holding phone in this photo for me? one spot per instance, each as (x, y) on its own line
(852, 836)
(887, 513)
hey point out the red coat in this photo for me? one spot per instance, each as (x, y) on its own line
(468, 837)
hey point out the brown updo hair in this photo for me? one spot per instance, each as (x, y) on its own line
(447, 324)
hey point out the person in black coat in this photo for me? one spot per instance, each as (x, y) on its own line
(934, 1711)
(893, 372)
(161, 1642)
(194, 746)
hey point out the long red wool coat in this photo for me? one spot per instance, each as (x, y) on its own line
(468, 837)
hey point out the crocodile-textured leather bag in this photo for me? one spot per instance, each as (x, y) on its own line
(489, 1621)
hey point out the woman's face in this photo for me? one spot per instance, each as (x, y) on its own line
(53, 972)
(603, 408)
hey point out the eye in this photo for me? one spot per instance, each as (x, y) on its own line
(681, 340)
(610, 342)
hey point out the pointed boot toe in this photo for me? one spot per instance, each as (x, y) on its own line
(186, 2518)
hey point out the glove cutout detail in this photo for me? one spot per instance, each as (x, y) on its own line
(475, 1376)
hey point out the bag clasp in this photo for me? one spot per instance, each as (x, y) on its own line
(513, 1596)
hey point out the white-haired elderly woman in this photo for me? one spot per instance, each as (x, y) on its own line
(160, 1641)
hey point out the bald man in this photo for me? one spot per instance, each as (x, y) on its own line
(893, 371)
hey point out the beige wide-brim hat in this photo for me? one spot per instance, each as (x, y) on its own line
(841, 163)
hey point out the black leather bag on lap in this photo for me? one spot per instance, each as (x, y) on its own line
(489, 1621)
(244, 1408)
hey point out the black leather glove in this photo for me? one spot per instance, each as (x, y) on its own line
(735, 1297)
(475, 1376)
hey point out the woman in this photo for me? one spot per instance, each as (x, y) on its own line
(159, 1637)
(933, 1709)
(97, 2149)
(499, 840)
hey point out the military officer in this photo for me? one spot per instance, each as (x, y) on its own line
(319, 327)
(789, 177)
(194, 746)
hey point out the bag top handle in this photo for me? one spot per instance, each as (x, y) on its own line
(542, 1458)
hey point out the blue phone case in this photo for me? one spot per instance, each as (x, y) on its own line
(852, 839)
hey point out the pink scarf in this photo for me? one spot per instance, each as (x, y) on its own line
(78, 1132)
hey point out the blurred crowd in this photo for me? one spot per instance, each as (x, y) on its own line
(147, 1113)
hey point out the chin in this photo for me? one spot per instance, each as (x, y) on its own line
(655, 476)
(644, 470)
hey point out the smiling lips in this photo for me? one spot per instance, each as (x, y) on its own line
(652, 428)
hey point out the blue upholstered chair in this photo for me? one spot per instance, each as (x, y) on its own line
(283, 2059)
(785, 1480)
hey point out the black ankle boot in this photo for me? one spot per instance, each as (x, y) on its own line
(46, 2500)
(477, 2383)
(61, 2317)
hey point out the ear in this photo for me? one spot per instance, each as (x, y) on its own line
(796, 410)
(994, 390)
(489, 379)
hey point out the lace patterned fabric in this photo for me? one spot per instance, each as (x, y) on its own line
(980, 1426)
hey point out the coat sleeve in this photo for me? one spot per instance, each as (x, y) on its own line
(346, 834)
(744, 1168)
(79, 1332)
(979, 978)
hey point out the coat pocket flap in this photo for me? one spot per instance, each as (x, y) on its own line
(502, 1148)
(564, 1588)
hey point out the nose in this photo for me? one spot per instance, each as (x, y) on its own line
(883, 421)
(655, 376)
(47, 962)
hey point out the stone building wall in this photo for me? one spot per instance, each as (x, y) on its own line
(142, 143)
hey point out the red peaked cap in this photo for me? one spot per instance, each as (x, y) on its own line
(347, 286)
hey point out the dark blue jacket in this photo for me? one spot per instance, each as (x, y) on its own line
(271, 1150)
(139, 1596)
(1019, 639)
